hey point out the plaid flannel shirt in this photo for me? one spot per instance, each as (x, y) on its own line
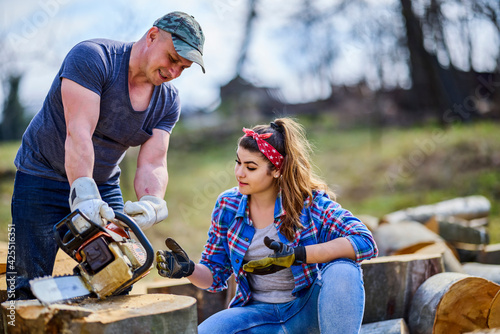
(231, 233)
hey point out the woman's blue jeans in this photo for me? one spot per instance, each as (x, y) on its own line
(334, 304)
(37, 205)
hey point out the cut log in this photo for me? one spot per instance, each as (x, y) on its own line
(489, 271)
(392, 237)
(450, 303)
(207, 304)
(450, 258)
(485, 331)
(471, 207)
(453, 229)
(487, 254)
(391, 281)
(494, 315)
(396, 326)
(121, 314)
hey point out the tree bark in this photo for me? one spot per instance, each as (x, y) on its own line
(391, 281)
(450, 303)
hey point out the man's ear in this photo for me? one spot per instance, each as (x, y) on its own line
(152, 35)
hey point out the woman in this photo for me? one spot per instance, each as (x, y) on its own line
(294, 251)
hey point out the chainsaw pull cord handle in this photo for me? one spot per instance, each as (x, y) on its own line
(142, 239)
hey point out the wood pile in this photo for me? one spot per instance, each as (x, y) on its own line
(462, 297)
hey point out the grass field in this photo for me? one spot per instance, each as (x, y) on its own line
(372, 173)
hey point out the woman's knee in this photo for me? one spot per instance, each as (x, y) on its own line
(343, 275)
(343, 269)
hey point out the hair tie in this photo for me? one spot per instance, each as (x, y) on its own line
(267, 149)
(276, 127)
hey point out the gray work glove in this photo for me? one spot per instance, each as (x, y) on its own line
(174, 263)
(148, 211)
(85, 197)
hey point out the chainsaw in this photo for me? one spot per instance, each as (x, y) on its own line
(109, 260)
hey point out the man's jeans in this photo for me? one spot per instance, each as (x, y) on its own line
(333, 304)
(37, 205)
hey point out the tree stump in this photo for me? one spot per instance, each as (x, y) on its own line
(395, 326)
(159, 313)
(450, 303)
(391, 281)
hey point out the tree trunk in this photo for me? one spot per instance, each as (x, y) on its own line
(450, 303)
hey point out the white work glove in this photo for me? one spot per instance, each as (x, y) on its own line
(148, 211)
(85, 196)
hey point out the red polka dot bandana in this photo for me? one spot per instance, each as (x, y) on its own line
(270, 152)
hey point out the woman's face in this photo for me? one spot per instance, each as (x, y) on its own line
(252, 172)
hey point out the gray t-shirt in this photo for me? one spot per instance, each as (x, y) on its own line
(101, 66)
(272, 288)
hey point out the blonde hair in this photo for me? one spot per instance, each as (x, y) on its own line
(298, 179)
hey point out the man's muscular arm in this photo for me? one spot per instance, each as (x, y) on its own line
(150, 181)
(81, 112)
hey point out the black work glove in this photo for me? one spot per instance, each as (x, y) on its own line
(174, 263)
(284, 256)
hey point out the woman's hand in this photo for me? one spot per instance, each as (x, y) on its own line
(283, 257)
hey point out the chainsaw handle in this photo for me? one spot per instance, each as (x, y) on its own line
(142, 239)
(68, 237)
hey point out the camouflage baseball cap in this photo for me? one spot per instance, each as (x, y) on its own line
(186, 33)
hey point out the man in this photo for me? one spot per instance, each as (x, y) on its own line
(107, 96)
